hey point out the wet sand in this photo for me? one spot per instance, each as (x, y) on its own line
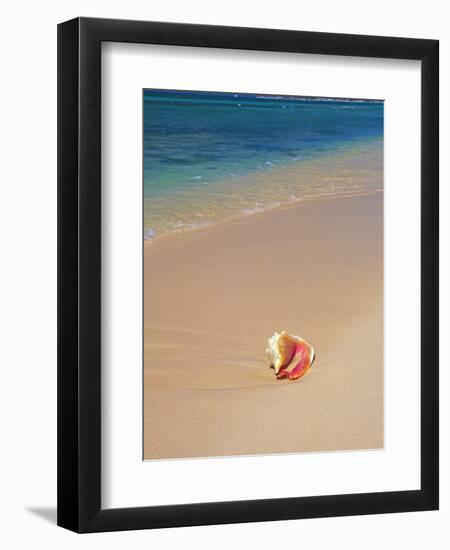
(213, 296)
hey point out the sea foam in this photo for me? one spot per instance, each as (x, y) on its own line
(149, 234)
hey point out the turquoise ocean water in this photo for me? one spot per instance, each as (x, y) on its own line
(209, 156)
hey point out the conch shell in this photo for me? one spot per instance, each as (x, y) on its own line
(285, 350)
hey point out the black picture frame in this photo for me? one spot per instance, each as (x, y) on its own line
(79, 274)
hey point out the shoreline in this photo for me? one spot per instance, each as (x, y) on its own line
(213, 297)
(293, 204)
(348, 172)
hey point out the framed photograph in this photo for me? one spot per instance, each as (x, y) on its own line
(247, 275)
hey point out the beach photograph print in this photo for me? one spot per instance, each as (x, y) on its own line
(263, 274)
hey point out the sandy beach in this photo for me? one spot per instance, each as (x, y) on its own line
(212, 298)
